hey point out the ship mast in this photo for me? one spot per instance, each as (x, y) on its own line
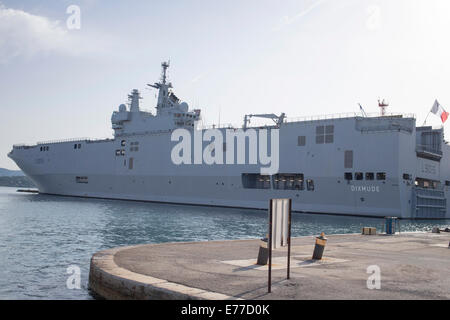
(164, 66)
(134, 98)
(163, 86)
(383, 104)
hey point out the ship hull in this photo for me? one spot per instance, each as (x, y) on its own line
(96, 170)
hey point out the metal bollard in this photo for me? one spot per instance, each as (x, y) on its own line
(321, 241)
(263, 255)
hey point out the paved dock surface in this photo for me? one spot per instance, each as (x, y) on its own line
(412, 266)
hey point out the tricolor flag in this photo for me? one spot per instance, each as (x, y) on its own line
(439, 111)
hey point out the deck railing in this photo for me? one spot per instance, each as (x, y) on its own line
(87, 140)
(231, 126)
(314, 118)
(348, 115)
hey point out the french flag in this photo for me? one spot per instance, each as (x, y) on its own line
(439, 111)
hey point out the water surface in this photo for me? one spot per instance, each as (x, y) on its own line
(41, 236)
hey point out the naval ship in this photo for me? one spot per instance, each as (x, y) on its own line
(347, 164)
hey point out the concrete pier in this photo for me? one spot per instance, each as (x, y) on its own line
(411, 265)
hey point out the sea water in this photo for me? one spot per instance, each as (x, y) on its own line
(43, 237)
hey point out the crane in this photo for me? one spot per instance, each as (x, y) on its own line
(277, 119)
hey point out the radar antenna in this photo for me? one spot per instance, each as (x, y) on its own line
(165, 66)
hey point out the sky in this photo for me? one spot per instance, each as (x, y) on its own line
(229, 58)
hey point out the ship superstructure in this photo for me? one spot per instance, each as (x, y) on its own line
(353, 164)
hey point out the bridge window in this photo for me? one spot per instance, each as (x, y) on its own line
(359, 176)
(348, 176)
(255, 181)
(288, 181)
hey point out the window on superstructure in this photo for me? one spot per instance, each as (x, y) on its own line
(370, 176)
(348, 159)
(359, 176)
(301, 141)
(81, 180)
(123, 142)
(117, 152)
(288, 181)
(320, 134)
(329, 134)
(131, 163)
(325, 134)
(348, 176)
(75, 146)
(255, 181)
(406, 176)
(381, 175)
(310, 185)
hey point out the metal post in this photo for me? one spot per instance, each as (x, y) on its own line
(270, 248)
(289, 241)
(426, 119)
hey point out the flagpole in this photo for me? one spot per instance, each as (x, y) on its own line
(426, 118)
